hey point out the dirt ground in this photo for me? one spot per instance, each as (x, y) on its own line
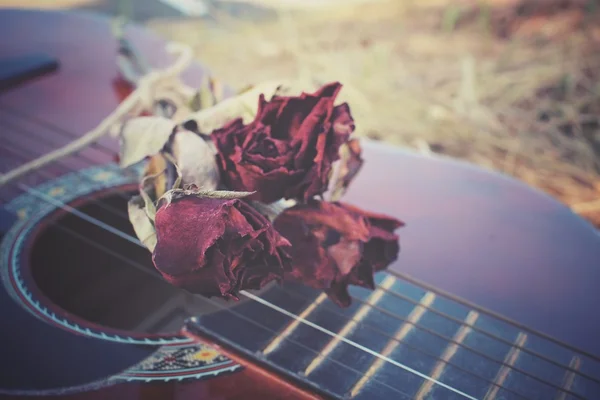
(508, 85)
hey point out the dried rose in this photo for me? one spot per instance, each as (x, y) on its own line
(176, 157)
(289, 148)
(335, 245)
(217, 246)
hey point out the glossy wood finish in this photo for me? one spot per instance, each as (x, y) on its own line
(490, 240)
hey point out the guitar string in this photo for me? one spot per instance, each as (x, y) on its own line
(131, 239)
(492, 358)
(391, 338)
(53, 127)
(262, 300)
(503, 320)
(143, 269)
(388, 336)
(134, 240)
(484, 355)
(8, 192)
(358, 346)
(87, 218)
(475, 328)
(154, 275)
(24, 156)
(460, 321)
(277, 308)
(492, 336)
(97, 146)
(101, 204)
(32, 134)
(448, 339)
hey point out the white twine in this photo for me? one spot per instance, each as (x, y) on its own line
(157, 84)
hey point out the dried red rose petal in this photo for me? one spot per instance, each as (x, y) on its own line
(217, 247)
(288, 150)
(335, 245)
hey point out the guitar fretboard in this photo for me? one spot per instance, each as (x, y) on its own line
(402, 341)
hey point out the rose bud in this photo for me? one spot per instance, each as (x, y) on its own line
(335, 245)
(217, 245)
(288, 150)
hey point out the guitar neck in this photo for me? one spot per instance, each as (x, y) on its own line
(401, 341)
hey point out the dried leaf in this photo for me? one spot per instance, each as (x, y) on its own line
(142, 137)
(149, 206)
(344, 170)
(196, 102)
(272, 211)
(297, 87)
(176, 194)
(204, 97)
(157, 164)
(195, 159)
(243, 106)
(217, 89)
(210, 93)
(171, 159)
(245, 89)
(142, 225)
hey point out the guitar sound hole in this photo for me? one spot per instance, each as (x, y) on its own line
(88, 272)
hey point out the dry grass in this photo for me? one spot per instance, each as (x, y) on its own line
(514, 93)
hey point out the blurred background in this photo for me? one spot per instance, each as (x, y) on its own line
(508, 85)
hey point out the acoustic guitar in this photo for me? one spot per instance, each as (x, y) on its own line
(493, 296)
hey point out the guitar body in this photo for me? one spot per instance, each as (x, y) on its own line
(492, 296)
